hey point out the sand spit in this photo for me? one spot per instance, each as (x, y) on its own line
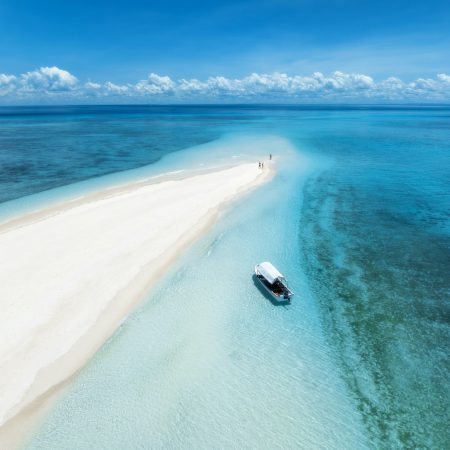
(69, 275)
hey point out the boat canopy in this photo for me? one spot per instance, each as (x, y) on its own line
(269, 272)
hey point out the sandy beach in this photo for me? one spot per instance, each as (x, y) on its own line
(69, 275)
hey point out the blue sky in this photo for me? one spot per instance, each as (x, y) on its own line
(123, 42)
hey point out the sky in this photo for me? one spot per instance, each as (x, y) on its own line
(186, 51)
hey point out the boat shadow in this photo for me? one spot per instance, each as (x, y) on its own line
(257, 283)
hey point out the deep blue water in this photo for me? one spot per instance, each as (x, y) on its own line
(368, 236)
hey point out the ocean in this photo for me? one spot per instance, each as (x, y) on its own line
(358, 219)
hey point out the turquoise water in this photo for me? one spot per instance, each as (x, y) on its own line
(357, 217)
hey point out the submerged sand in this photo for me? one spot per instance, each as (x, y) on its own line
(70, 274)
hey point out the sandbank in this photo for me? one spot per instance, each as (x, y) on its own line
(70, 275)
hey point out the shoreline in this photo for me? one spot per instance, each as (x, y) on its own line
(51, 379)
(40, 212)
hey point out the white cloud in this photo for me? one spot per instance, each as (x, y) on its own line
(93, 86)
(47, 79)
(339, 86)
(193, 86)
(155, 84)
(116, 89)
(444, 77)
(7, 84)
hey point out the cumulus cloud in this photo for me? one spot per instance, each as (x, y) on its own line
(54, 82)
(116, 88)
(444, 77)
(7, 84)
(92, 86)
(47, 79)
(155, 84)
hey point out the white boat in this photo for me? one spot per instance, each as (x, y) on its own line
(273, 282)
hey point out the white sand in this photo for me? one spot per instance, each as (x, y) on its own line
(69, 275)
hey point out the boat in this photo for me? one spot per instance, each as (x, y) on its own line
(273, 282)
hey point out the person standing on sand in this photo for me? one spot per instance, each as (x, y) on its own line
(259, 164)
(270, 156)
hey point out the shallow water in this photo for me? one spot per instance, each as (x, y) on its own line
(208, 361)
(358, 218)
